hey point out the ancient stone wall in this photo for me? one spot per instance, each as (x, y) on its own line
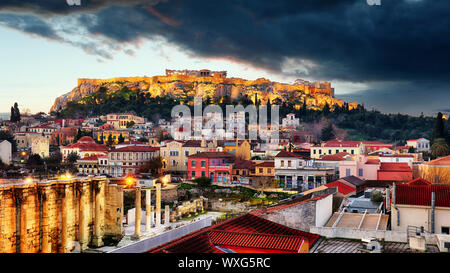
(59, 216)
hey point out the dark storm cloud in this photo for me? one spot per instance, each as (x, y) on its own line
(429, 97)
(402, 41)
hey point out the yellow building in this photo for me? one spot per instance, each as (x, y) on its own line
(266, 168)
(240, 148)
(334, 146)
(121, 120)
(436, 171)
(115, 134)
(175, 153)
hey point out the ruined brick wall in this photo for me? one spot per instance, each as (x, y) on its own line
(113, 212)
(301, 216)
(7, 221)
(58, 216)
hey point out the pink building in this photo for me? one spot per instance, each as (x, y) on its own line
(214, 165)
(370, 168)
(360, 166)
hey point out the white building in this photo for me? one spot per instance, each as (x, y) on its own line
(420, 144)
(290, 121)
(40, 146)
(296, 171)
(5, 152)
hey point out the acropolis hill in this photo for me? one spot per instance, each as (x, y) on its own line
(206, 83)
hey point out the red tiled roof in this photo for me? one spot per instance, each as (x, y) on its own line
(334, 157)
(419, 181)
(439, 161)
(339, 143)
(243, 226)
(420, 195)
(90, 158)
(394, 167)
(401, 147)
(266, 164)
(341, 187)
(211, 155)
(415, 139)
(256, 240)
(243, 164)
(289, 154)
(373, 161)
(87, 144)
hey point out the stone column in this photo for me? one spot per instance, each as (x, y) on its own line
(49, 218)
(67, 217)
(152, 216)
(137, 219)
(148, 211)
(29, 220)
(166, 215)
(99, 219)
(7, 220)
(158, 205)
(84, 212)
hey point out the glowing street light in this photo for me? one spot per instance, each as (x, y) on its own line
(29, 180)
(129, 181)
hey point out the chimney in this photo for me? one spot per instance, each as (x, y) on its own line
(388, 199)
(433, 197)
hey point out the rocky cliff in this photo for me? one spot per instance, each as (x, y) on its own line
(315, 94)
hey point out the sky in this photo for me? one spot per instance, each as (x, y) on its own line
(392, 57)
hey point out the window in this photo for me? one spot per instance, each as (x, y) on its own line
(202, 163)
(193, 163)
(260, 170)
(320, 152)
(269, 170)
(186, 153)
(282, 163)
(360, 172)
(289, 163)
(203, 174)
(329, 152)
(445, 230)
(347, 172)
(353, 151)
(314, 151)
(193, 174)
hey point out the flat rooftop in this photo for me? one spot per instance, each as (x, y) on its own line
(349, 246)
(353, 220)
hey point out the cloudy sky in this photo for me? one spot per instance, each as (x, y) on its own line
(393, 57)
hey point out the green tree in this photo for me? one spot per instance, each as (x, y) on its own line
(121, 139)
(152, 166)
(17, 112)
(72, 158)
(327, 132)
(110, 140)
(439, 148)
(203, 181)
(439, 128)
(34, 160)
